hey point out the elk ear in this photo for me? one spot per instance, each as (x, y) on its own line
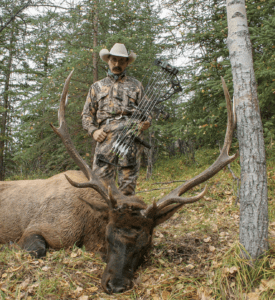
(101, 207)
(166, 213)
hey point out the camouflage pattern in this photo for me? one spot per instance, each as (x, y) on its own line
(106, 163)
(108, 99)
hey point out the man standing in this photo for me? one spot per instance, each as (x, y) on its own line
(109, 104)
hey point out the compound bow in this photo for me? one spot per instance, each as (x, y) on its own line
(154, 94)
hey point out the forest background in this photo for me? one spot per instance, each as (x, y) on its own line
(42, 41)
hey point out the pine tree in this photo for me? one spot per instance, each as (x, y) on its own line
(12, 82)
(199, 32)
(63, 41)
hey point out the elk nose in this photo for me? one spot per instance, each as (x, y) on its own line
(115, 289)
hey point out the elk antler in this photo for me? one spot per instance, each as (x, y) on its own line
(94, 182)
(170, 203)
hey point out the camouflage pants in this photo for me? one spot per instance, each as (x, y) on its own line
(106, 164)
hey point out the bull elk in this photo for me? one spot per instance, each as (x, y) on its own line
(66, 209)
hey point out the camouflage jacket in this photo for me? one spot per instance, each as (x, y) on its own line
(109, 98)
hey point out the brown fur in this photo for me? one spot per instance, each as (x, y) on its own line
(52, 208)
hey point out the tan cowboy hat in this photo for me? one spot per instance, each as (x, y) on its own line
(117, 50)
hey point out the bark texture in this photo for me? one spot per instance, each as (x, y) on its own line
(5, 104)
(253, 193)
(150, 156)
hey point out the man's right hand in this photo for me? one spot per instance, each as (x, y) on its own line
(99, 135)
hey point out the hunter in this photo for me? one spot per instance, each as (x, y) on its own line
(107, 109)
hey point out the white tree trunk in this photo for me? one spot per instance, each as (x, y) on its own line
(253, 193)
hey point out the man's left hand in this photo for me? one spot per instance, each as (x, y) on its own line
(144, 125)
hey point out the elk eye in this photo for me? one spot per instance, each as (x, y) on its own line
(137, 228)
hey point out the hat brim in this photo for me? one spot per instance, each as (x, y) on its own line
(105, 54)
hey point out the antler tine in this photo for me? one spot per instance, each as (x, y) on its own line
(63, 133)
(106, 188)
(223, 159)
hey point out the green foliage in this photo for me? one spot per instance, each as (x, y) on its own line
(261, 20)
(47, 46)
(200, 31)
(62, 41)
(238, 275)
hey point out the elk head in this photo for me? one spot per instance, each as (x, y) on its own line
(131, 223)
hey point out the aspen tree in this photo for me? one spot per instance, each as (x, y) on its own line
(253, 193)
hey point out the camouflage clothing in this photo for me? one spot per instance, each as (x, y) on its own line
(107, 100)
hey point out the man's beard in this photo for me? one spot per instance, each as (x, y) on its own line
(117, 69)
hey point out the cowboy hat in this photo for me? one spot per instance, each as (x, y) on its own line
(117, 50)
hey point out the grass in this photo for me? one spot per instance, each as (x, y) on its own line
(195, 254)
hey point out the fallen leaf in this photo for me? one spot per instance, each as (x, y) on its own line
(92, 289)
(78, 290)
(24, 284)
(272, 264)
(4, 275)
(190, 266)
(162, 262)
(31, 288)
(83, 298)
(263, 288)
(15, 269)
(18, 255)
(64, 283)
(207, 240)
(159, 234)
(209, 282)
(165, 295)
(214, 227)
(233, 270)
(269, 283)
(216, 265)
(212, 248)
(204, 293)
(73, 254)
(253, 296)
(46, 268)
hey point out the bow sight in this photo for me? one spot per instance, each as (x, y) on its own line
(162, 75)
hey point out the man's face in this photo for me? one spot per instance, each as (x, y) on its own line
(117, 64)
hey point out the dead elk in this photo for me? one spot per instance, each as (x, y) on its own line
(59, 212)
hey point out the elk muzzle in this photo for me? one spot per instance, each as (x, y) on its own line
(126, 249)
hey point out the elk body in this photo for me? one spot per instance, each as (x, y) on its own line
(66, 209)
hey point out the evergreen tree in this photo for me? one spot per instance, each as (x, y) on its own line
(200, 32)
(65, 40)
(12, 81)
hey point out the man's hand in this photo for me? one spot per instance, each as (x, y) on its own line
(99, 135)
(144, 125)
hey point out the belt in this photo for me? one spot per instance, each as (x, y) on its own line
(109, 120)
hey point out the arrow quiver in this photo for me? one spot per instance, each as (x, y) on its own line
(162, 75)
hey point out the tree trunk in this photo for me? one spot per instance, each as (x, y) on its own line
(253, 193)
(95, 23)
(5, 106)
(150, 156)
(95, 64)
